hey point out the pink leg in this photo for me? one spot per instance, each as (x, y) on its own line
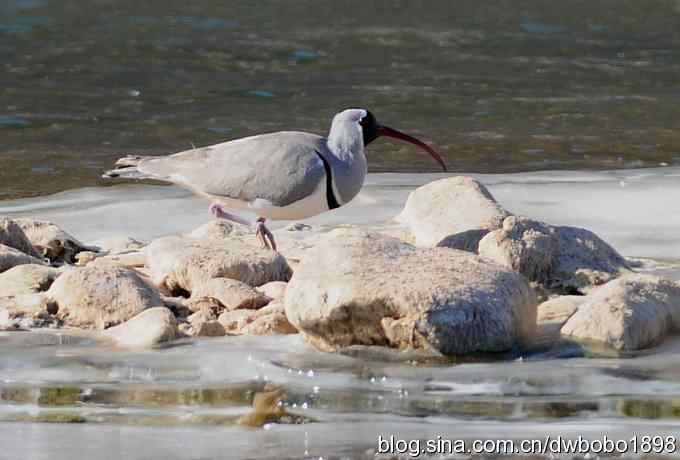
(263, 234)
(218, 211)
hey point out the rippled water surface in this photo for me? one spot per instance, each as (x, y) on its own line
(64, 397)
(497, 86)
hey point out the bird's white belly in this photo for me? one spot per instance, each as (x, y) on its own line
(310, 206)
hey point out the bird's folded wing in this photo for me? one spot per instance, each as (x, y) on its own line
(281, 168)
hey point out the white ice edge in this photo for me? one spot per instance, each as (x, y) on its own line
(637, 211)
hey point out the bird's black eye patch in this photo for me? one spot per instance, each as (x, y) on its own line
(369, 127)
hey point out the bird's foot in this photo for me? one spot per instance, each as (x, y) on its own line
(264, 235)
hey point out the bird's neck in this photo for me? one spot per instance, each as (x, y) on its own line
(346, 142)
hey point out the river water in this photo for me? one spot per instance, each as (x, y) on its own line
(67, 397)
(501, 86)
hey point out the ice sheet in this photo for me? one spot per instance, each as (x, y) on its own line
(638, 211)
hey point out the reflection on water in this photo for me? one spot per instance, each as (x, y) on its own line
(499, 86)
(289, 401)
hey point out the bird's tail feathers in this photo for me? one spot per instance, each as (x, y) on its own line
(126, 168)
(130, 172)
(133, 160)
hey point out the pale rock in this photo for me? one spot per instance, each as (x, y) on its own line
(204, 324)
(133, 259)
(11, 257)
(212, 328)
(149, 328)
(26, 279)
(119, 244)
(234, 321)
(210, 304)
(450, 206)
(560, 258)
(358, 288)
(275, 306)
(101, 296)
(272, 324)
(181, 264)
(27, 311)
(553, 313)
(298, 227)
(274, 290)
(630, 313)
(84, 258)
(51, 241)
(231, 293)
(12, 235)
(219, 229)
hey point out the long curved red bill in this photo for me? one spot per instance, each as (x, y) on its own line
(390, 132)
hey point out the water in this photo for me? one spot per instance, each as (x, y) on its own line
(504, 86)
(194, 400)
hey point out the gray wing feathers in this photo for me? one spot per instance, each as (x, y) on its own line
(281, 168)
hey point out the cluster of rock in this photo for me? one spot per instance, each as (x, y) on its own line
(138, 294)
(468, 277)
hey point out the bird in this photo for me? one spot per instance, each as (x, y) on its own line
(285, 175)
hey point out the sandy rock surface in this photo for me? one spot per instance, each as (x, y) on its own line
(630, 313)
(370, 289)
(553, 313)
(119, 244)
(178, 263)
(51, 241)
(449, 206)
(149, 328)
(101, 296)
(14, 236)
(274, 290)
(11, 257)
(26, 279)
(232, 294)
(567, 259)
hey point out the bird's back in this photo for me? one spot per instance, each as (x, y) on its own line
(281, 167)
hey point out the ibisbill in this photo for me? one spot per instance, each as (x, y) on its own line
(286, 175)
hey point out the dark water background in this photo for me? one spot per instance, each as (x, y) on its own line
(497, 86)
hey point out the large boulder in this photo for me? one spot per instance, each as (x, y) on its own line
(11, 257)
(12, 235)
(100, 296)
(179, 263)
(26, 279)
(450, 206)
(232, 294)
(147, 329)
(51, 241)
(370, 289)
(629, 313)
(566, 259)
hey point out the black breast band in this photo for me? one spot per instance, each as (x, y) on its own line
(330, 196)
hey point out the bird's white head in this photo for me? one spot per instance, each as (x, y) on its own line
(353, 129)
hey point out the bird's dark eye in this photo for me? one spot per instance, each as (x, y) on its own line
(369, 126)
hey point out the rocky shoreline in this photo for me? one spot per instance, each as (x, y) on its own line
(467, 277)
